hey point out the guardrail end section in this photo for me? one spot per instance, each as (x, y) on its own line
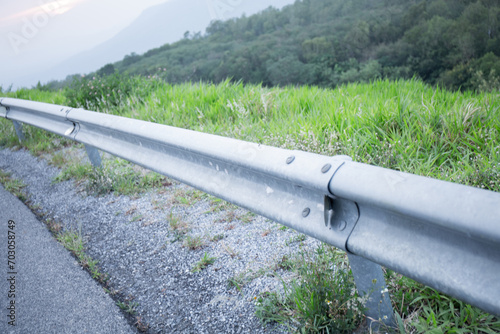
(94, 156)
(370, 280)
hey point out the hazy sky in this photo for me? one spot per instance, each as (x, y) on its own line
(38, 35)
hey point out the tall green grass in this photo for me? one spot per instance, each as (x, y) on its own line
(402, 125)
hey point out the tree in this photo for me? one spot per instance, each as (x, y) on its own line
(106, 70)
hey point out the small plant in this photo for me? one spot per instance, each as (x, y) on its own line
(156, 204)
(73, 242)
(218, 205)
(58, 160)
(297, 238)
(285, 263)
(194, 243)
(54, 226)
(15, 187)
(246, 276)
(247, 217)
(76, 171)
(185, 197)
(111, 291)
(127, 307)
(322, 299)
(227, 217)
(217, 237)
(99, 182)
(116, 176)
(179, 227)
(136, 218)
(203, 263)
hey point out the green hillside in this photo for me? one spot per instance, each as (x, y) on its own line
(330, 42)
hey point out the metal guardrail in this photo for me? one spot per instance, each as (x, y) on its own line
(442, 234)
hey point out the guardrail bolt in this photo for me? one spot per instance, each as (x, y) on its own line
(326, 168)
(306, 212)
(290, 159)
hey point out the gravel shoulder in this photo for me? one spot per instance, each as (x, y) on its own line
(148, 265)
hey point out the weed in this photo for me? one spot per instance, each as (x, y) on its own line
(128, 307)
(217, 237)
(193, 243)
(156, 204)
(322, 299)
(247, 217)
(136, 218)
(218, 205)
(73, 242)
(297, 238)
(75, 171)
(58, 160)
(13, 186)
(185, 197)
(203, 263)
(112, 292)
(285, 263)
(246, 276)
(426, 310)
(116, 176)
(54, 226)
(179, 227)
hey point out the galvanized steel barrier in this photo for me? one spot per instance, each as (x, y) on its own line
(442, 234)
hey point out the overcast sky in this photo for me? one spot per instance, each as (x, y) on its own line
(39, 34)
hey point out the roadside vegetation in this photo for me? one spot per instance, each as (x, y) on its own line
(403, 125)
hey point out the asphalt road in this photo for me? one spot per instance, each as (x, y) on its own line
(42, 288)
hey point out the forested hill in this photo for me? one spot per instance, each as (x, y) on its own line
(454, 43)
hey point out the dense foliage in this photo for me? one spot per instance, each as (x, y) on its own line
(330, 42)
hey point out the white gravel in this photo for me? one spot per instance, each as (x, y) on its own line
(135, 245)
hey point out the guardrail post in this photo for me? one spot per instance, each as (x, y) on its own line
(94, 156)
(19, 131)
(370, 280)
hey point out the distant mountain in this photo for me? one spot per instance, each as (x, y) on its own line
(156, 26)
